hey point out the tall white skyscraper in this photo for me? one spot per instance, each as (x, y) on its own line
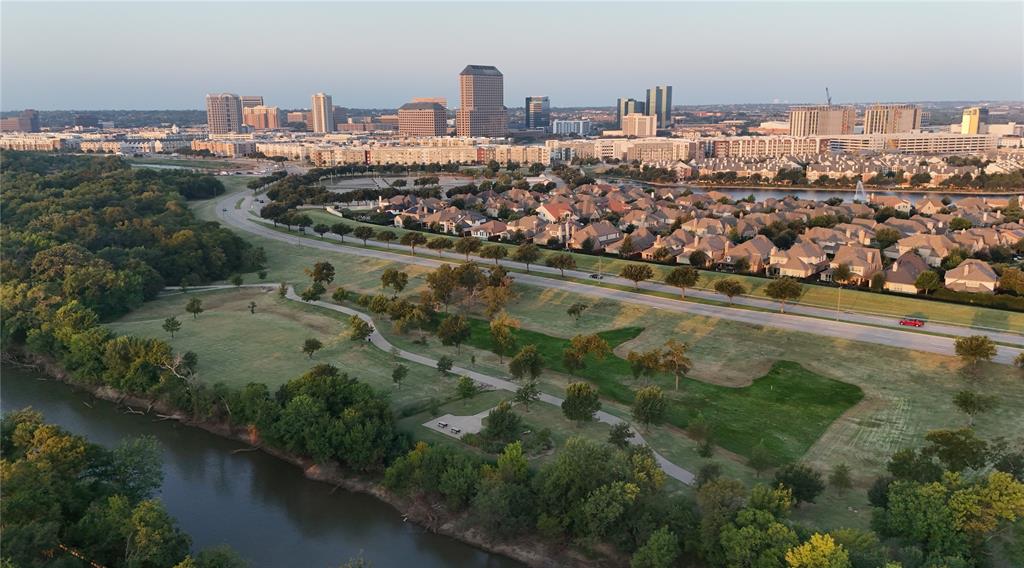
(323, 113)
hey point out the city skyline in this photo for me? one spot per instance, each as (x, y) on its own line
(74, 70)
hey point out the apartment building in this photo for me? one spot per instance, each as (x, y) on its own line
(891, 119)
(767, 146)
(25, 121)
(261, 117)
(226, 148)
(915, 143)
(571, 127)
(974, 121)
(639, 125)
(821, 120)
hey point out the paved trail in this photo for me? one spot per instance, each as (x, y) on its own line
(382, 343)
(857, 327)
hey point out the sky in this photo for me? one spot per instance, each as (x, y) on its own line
(156, 55)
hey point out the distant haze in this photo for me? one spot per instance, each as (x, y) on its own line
(151, 55)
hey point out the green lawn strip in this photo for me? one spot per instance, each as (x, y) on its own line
(814, 295)
(198, 164)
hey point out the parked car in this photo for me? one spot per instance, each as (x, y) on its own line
(912, 322)
(597, 277)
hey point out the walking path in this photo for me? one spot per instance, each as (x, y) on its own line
(856, 327)
(381, 342)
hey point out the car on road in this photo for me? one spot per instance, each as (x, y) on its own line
(224, 209)
(912, 322)
(597, 276)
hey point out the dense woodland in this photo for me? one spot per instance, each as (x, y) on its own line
(85, 239)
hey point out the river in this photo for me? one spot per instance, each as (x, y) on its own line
(262, 507)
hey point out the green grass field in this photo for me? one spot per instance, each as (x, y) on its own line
(196, 163)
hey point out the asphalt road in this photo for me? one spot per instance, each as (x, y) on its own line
(856, 327)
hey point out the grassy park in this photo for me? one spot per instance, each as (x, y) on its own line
(823, 400)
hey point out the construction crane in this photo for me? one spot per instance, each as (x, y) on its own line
(828, 97)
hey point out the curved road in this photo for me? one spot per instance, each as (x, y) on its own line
(857, 327)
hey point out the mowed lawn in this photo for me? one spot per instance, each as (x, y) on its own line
(236, 347)
(814, 295)
(787, 409)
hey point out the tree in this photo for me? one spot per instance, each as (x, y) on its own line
(699, 259)
(501, 327)
(313, 292)
(496, 298)
(637, 273)
(649, 406)
(321, 229)
(252, 307)
(359, 329)
(454, 330)
(528, 363)
(321, 273)
(974, 348)
(760, 459)
(957, 449)
(363, 233)
(730, 287)
(644, 364)
(412, 240)
(467, 246)
(820, 551)
(674, 359)
(398, 375)
(805, 483)
(493, 252)
(444, 364)
(1018, 361)
(282, 290)
(783, 289)
(439, 244)
(682, 277)
(527, 253)
(660, 551)
(581, 402)
(972, 403)
(153, 537)
(960, 224)
(886, 237)
(194, 307)
(841, 275)
(527, 394)
(756, 538)
(442, 283)
(620, 435)
(562, 261)
(341, 229)
(576, 310)
(386, 237)
(237, 280)
(394, 279)
(1012, 280)
(466, 388)
(840, 479)
(171, 325)
(311, 346)
(928, 281)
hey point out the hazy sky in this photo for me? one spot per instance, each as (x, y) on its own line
(149, 55)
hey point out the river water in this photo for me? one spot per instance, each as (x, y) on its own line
(262, 507)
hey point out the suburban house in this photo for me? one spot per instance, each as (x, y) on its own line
(489, 229)
(601, 234)
(555, 211)
(638, 241)
(972, 275)
(930, 206)
(901, 276)
(863, 262)
(900, 204)
(715, 246)
(757, 252)
(932, 248)
(802, 260)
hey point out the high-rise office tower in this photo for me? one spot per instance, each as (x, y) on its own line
(482, 110)
(538, 112)
(323, 113)
(252, 101)
(262, 117)
(224, 113)
(659, 104)
(891, 119)
(974, 121)
(423, 119)
(821, 120)
(626, 106)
